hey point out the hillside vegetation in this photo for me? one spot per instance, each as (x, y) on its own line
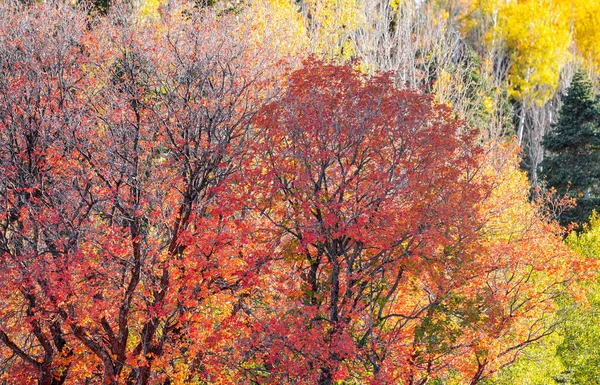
(299, 192)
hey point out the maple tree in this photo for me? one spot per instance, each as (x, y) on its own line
(569, 356)
(385, 254)
(39, 72)
(118, 231)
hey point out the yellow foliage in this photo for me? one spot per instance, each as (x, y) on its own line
(280, 23)
(488, 104)
(321, 27)
(539, 266)
(587, 29)
(537, 36)
(150, 9)
(395, 4)
(329, 24)
(587, 243)
(490, 6)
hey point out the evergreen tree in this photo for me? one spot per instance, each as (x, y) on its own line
(572, 166)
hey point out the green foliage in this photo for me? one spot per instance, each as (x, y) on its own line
(98, 6)
(538, 364)
(579, 349)
(570, 356)
(573, 165)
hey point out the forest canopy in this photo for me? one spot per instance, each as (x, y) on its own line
(278, 192)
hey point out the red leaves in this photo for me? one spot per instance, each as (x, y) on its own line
(121, 227)
(158, 226)
(375, 198)
(356, 156)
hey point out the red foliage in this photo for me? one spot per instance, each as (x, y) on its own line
(161, 223)
(122, 242)
(371, 196)
(385, 267)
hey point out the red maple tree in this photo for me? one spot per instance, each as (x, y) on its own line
(122, 243)
(379, 205)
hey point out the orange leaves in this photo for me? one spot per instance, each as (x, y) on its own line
(380, 192)
(399, 231)
(167, 218)
(123, 231)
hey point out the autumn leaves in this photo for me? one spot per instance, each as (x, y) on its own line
(365, 182)
(178, 208)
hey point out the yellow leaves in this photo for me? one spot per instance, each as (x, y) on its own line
(279, 23)
(488, 104)
(83, 367)
(329, 24)
(537, 37)
(448, 85)
(587, 29)
(348, 50)
(150, 9)
(507, 208)
(179, 373)
(395, 4)
(321, 27)
(588, 242)
(445, 15)
(491, 6)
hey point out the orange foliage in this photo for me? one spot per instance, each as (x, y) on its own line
(168, 217)
(402, 251)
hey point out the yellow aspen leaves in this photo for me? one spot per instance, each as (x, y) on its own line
(536, 35)
(280, 23)
(587, 29)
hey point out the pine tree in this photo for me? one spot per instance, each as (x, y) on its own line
(572, 166)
